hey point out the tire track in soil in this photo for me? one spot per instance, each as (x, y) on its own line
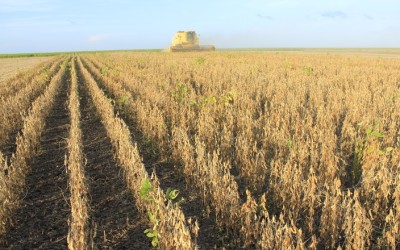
(41, 221)
(170, 176)
(119, 224)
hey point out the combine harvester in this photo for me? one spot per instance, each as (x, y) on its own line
(188, 41)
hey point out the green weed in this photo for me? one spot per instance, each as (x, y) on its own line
(308, 70)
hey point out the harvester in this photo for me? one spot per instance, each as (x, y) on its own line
(188, 41)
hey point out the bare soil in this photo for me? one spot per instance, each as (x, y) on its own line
(119, 225)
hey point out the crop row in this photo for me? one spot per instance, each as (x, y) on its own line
(16, 103)
(14, 171)
(20, 80)
(308, 136)
(169, 229)
(283, 150)
(79, 232)
(209, 175)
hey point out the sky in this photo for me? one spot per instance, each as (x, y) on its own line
(78, 25)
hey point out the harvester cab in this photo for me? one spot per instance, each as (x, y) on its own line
(188, 41)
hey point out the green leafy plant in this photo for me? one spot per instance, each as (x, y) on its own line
(290, 144)
(200, 60)
(373, 133)
(225, 99)
(123, 98)
(145, 189)
(180, 93)
(172, 194)
(308, 70)
(288, 65)
(44, 69)
(366, 146)
(147, 193)
(207, 100)
(161, 86)
(229, 98)
(153, 235)
(122, 101)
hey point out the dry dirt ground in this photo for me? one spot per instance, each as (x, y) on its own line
(11, 66)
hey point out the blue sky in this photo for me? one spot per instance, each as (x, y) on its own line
(55, 25)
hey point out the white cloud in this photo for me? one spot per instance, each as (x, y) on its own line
(265, 17)
(97, 38)
(10, 6)
(334, 14)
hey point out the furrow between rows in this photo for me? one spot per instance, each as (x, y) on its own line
(114, 219)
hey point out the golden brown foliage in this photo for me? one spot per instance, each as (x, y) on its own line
(313, 138)
(78, 235)
(13, 70)
(15, 104)
(170, 223)
(12, 175)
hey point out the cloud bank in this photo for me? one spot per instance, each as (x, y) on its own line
(334, 14)
(97, 38)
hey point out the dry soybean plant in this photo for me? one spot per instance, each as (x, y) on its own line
(78, 235)
(20, 80)
(15, 105)
(13, 173)
(303, 147)
(167, 220)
